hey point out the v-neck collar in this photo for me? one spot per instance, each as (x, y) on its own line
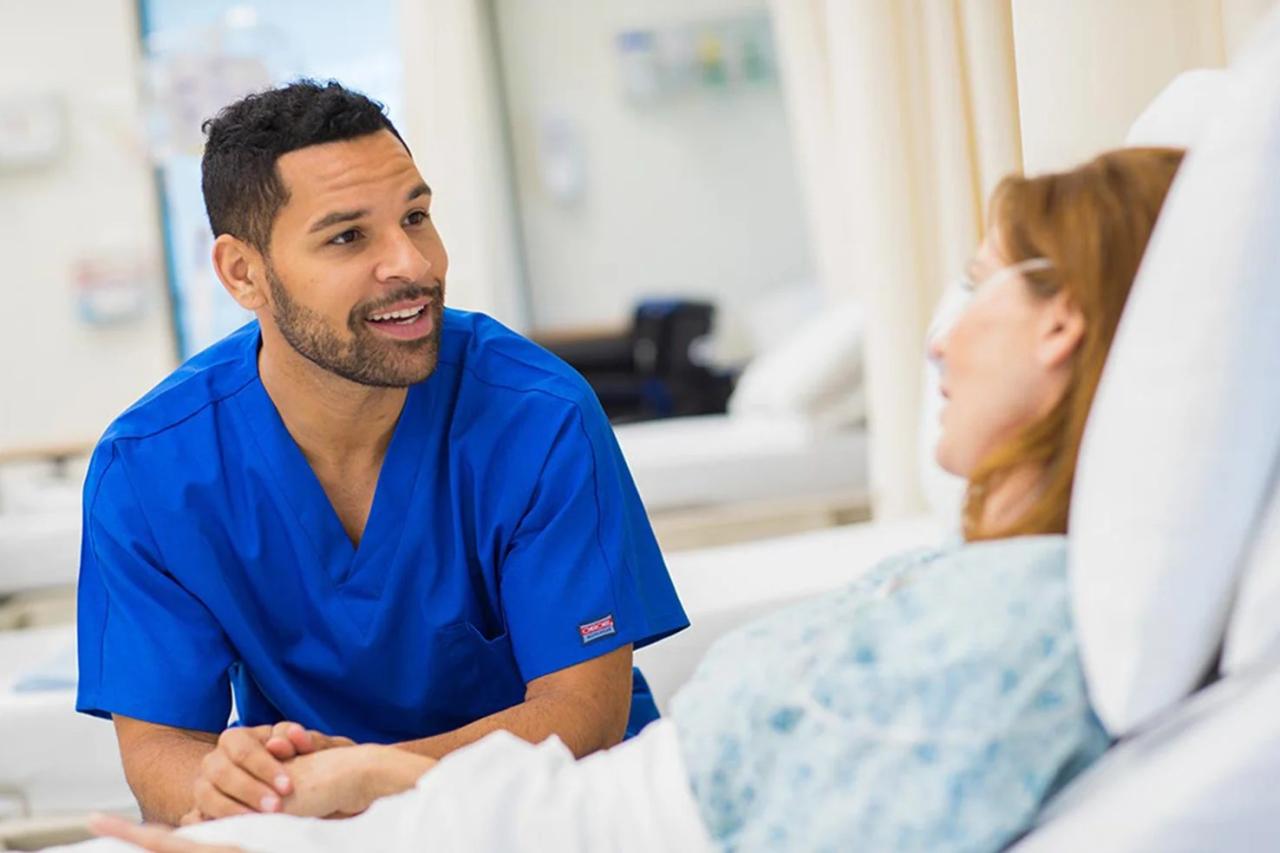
(304, 494)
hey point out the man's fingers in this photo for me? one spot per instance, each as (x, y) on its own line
(280, 744)
(324, 741)
(250, 754)
(214, 804)
(225, 789)
(302, 740)
(287, 731)
(289, 740)
(281, 748)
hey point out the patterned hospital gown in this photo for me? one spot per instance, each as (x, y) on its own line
(932, 705)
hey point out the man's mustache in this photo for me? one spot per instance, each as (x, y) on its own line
(408, 294)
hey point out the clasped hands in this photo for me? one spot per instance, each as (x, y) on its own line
(284, 768)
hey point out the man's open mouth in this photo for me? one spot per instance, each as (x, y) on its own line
(401, 317)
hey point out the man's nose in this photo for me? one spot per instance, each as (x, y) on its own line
(401, 261)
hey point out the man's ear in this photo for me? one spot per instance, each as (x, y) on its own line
(241, 270)
(1061, 331)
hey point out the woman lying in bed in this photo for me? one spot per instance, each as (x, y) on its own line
(932, 705)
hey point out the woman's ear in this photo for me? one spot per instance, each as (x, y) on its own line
(237, 265)
(1061, 331)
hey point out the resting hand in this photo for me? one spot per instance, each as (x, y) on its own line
(158, 839)
(345, 782)
(245, 773)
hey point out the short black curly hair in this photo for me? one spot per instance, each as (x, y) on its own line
(243, 190)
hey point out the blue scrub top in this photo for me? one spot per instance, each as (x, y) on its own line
(506, 541)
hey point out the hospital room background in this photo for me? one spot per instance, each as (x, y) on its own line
(734, 217)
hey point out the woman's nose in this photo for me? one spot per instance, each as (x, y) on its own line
(936, 345)
(955, 302)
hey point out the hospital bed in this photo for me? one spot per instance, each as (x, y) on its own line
(55, 765)
(40, 479)
(39, 533)
(713, 479)
(790, 454)
(39, 558)
(1213, 763)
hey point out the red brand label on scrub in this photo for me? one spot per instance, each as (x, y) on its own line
(602, 627)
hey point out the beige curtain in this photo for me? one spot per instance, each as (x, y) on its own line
(905, 115)
(1085, 76)
(1087, 71)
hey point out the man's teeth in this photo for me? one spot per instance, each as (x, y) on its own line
(405, 314)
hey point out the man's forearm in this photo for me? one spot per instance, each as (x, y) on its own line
(161, 768)
(576, 722)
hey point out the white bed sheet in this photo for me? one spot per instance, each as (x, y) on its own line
(717, 459)
(56, 760)
(500, 795)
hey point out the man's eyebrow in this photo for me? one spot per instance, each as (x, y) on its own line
(336, 218)
(341, 216)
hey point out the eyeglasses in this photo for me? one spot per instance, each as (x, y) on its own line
(957, 297)
(1029, 265)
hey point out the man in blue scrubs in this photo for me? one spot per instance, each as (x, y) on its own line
(364, 514)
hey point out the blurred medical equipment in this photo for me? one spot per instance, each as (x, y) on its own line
(657, 65)
(657, 368)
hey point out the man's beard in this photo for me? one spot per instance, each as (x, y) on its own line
(365, 357)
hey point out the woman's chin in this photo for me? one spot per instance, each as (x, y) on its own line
(947, 461)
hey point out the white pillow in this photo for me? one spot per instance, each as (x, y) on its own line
(1184, 433)
(816, 371)
(1253, 637)
(1177, 115)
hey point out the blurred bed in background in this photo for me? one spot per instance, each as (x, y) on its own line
(788, 453)
(54, 763)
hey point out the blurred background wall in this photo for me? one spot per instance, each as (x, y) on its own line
(576, 171)
(691, 194)
(82, 215)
